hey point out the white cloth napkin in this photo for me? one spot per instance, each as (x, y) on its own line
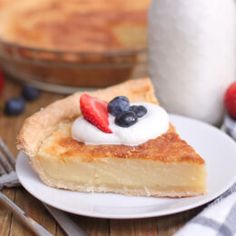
(219, 217)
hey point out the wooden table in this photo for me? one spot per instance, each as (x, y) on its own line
(9, 225)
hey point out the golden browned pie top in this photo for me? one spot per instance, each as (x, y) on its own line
(166, 148)
(48, 132)
(75, 24)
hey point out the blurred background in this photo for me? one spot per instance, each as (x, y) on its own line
(61, 46)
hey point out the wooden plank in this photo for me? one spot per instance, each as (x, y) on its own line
(34, 209)
(5, 214)
(93, 226)
(8, 130)
(138, 227)
(59, 231)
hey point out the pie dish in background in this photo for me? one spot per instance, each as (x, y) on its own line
(75, 42)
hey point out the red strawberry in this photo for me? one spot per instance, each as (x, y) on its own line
(230, 100)
(1, 81)
(95, 111)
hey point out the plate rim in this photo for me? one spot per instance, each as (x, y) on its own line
(155, 213)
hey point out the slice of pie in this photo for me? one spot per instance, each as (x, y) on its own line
(163, 166)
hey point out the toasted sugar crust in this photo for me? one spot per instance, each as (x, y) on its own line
(167, 148)
(44, 122)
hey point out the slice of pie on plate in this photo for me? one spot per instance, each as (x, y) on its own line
(162, 166)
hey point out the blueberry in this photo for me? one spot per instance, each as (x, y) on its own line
(30, 93)
(118, 105)
(14, 106)
(126, 119)
(140, 111)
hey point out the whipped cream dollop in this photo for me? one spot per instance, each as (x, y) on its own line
(150, 126)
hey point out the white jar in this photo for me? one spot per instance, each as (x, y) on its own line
(192, 55)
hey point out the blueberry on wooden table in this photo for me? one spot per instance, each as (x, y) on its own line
(14, 106)
(30, 93)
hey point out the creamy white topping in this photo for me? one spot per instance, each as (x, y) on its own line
(150, 126)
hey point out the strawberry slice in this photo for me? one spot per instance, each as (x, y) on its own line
(95, 111)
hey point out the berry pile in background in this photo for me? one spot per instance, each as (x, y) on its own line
(16, 106)
(125, 115)
(230, 100)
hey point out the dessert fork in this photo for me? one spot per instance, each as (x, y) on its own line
(8, 178)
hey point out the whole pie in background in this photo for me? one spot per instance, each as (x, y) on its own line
(65, 45)
(75, 24)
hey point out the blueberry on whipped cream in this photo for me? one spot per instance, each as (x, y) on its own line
(126, 119)
(125, 115)
(139, 111)
(118, 105)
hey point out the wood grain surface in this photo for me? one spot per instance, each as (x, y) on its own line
(9, 225)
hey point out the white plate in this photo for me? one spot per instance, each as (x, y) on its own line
(218, 150)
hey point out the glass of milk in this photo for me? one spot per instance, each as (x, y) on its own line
(192, 55)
